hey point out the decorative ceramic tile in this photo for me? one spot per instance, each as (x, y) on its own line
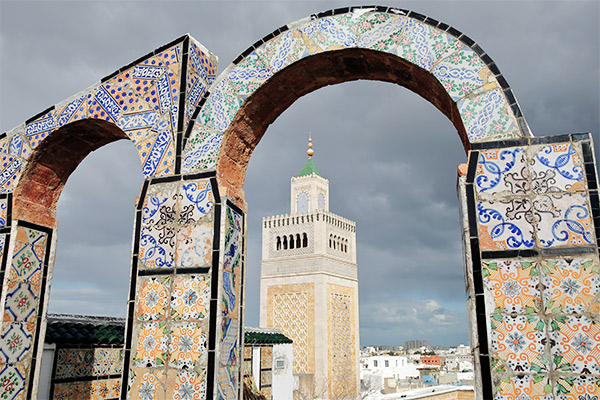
(19, 147)
(513, 285)
(194, 245)
(422, 44)
(153, 298)
(202, 61)
(325, 34)
(195, 89)
(265, 378)
(158, 154)
(556, 167)
(221, 106)
(522, 387)
(15, 342)
(518, 343)
(563, 220)
(233, 240)
(12, 381)
(190, 298)
(62, 391)
(37, 130)
(462, 72)
(229, 304)
(201, 149)
(502, 172)
(157, 246)
(188, 346)
(160, 204)
(576, 344)
(577, 388)
(267, 392)
(486, 115)
(147, 384)
(227, 383)
(10, 171)
(381, 31)
(67, 111)
(152, 345)
(21, 302)
(570, 284)
(189, 385)
(248, 75)
(505, 224)
(266, 358)
(229, 342)
(283, 50)
(27, 264)
(196, 201)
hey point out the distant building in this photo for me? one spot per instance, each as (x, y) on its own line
(309, 286)
(415, 344)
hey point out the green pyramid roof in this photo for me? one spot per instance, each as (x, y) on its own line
(309, 168)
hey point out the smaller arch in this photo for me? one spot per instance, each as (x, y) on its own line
(278, 243)
(298, 241)
(285, 243)
(292, 241)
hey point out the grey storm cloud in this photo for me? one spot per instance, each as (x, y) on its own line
(389, 155)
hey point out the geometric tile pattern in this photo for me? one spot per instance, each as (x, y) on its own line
(290, 315)
(171, 313)
(231, 292)
(532, 196)
(535, 207)
(342, 371)
(79, 363)
(22, 292)
(177, 225)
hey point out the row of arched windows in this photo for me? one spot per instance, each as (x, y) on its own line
(338, 243)
(292, 241)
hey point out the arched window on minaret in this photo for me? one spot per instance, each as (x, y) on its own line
(291, 241)
(278, 243)
(304, 240)
(285, 243)
(298, 242)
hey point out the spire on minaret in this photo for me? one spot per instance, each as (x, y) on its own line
(310, 167)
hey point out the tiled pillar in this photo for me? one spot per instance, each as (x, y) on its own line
(184, 315)
(533, 232)
(27, 253)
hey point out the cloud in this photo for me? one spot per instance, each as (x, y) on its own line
(390, 155)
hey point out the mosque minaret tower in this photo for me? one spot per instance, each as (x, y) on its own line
(309, 285)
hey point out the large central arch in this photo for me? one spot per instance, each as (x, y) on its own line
(529, 206)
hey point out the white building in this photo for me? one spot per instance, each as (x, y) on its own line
(309, 285)
(386, 366)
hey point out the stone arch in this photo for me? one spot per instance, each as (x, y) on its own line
(195, 135)
(42, 181)
(432, 59)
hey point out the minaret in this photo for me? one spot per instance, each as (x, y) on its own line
(309, 285)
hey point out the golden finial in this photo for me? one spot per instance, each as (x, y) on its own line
(310, 151)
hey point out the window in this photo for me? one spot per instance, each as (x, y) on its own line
(321, 201)
(375, 363)
(278, 243)
(304, 240)
(279, 364)
(302, 202)
(387, 363)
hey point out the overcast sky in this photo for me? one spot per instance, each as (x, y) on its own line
(389, 155)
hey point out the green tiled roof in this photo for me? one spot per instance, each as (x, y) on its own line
(257, 336)
(309, 168)
(84, 330)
